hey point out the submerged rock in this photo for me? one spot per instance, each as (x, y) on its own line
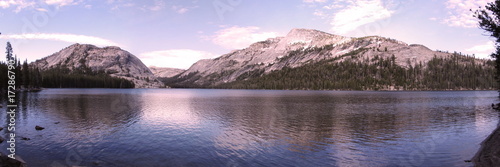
(39, 127)
(9, 162)
(495, 106)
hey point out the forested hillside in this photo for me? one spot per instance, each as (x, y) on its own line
(29, 77)
(456, 72)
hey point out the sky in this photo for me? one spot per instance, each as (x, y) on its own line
(177, 33)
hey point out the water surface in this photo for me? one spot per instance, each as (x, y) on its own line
(190, 127)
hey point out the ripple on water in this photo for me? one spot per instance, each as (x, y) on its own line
(254, 128)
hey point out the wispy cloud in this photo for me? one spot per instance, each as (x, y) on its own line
(482, 50)
(17, 4)
(71, 38)
(20, 5)
(176, 58)
(312, 1)
(359, 13)
(239, 37)
(120, 4)
(60, 2)
(347, 15)
(180, 9)
(158, 5)
(459, 14)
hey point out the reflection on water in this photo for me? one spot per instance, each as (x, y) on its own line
(154, 127)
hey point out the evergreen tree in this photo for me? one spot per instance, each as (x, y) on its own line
(25, 74)
(9, 52)
(489, 20)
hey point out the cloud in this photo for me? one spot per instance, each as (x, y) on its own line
(34, 4)
(312, 1)
(180, 9)
(71, 38)
(459, 14)
(60, 2)
(358, 13)
(159, 5)
(319, 13)
(18, 4)
(41, 9)
(240, 37)
(483, 50)
(117, 5)
(177, 58)
(183, 9)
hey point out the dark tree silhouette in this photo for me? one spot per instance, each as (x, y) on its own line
(489, 20)
(9, 51)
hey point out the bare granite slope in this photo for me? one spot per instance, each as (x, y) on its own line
(165, 72)
(300, 47)
(112, 60)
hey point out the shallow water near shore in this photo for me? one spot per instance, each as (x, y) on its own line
(192, 127)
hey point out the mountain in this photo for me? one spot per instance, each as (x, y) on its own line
(305, 47)
(164, 72)
(110, 60)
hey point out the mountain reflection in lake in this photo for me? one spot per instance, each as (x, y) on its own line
(177, 127)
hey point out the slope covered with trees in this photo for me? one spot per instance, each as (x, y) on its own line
(456, 72)
(61, 77)
(29, 77)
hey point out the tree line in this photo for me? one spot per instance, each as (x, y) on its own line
(455, 72)
(29, 77)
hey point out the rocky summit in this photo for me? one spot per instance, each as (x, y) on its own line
(298, 48)
(112, 60)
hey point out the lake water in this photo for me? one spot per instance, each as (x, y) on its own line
(190, 127)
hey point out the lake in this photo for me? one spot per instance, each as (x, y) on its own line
(193, 127)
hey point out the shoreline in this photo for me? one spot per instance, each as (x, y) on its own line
(489, 152)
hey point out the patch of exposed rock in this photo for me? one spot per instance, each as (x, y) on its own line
(112, 60)
(300, 47)
(165, 72)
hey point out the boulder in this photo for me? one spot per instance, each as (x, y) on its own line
(9, 162)
(39, 127)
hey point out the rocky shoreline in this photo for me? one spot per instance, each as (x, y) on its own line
(489, 152)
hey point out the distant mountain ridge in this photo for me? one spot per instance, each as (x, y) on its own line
(303, 59)
(111, 60)
(165, 72)
(302, 47)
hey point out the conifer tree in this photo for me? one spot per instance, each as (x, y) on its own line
(489, 20)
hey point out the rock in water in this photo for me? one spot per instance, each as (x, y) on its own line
(39, 127)
(9, 162)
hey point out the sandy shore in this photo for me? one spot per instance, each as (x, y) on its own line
(489, 153)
